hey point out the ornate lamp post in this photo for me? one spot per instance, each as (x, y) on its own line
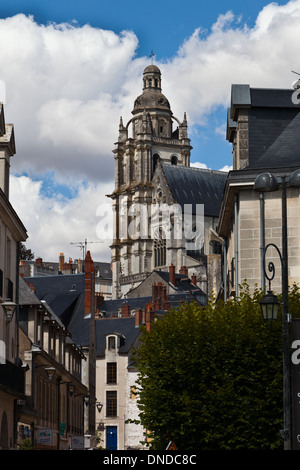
(267, 182)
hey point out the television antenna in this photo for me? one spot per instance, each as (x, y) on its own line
(83, 246)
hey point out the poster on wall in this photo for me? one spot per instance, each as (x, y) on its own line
(44, 436)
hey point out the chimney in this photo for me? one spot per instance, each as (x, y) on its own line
(194, 279)
(172, 274)
(154, 291)
(164, 294)
(99, 299)
(183, 270)
(159, 290)
(88, 287)
(125, 310)
(138, 317)
(80, 265)
(61, 262)
(150, 315)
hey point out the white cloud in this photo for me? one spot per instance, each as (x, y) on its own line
(64, 93)
(67, 86)
(226, 168)
(200, 76)
(53, 223)
(199, 165)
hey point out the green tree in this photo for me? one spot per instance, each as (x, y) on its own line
(25, 253)
(211, 378)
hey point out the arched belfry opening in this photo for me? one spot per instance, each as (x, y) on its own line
(152, 78)
(155, 160)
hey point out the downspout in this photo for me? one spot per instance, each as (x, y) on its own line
(124, 431)
(262, 239)
(18, 360)
(236, 245)
(225, 269)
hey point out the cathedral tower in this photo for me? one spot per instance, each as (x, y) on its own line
(151, 136)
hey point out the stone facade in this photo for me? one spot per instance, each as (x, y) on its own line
(12, 232)
(153, 140)
(250, 220)
(143, 240)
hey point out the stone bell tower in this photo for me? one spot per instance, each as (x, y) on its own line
(148, 138)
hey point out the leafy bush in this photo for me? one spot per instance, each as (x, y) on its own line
(211, 378)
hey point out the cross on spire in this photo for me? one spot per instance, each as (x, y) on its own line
(151, 57)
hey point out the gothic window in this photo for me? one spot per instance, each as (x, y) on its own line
(160, 250)
(174, 160)
(156, 158)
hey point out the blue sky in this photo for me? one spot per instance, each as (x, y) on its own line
(160, 25)
(72, 68)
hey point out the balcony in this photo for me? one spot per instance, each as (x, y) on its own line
(12, 377)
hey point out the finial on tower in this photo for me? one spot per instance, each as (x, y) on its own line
(151, 57)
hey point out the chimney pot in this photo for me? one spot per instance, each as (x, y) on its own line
(125, 310)
(172, 274)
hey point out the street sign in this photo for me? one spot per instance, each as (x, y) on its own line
(62, 427)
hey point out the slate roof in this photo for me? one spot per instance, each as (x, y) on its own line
(284, 150)
(274, 125)
(26, 295)
(196, 185)
(105, 271)
(64, 295)
(124, 327)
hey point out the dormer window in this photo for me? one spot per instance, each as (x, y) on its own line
(111, 342)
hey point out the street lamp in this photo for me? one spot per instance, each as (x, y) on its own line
(269, 306)
(50, 371)
(9, 310)
(267, 182)
(99, 406)
(270, 303)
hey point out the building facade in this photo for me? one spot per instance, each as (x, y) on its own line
(263, 127)
(12, 232)
(51, 415)
(163, 209)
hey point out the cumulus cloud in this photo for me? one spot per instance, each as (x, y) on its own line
(203, 166)
(54, 224)
(64, 84)
(199, 165)
(231, 52)
(67, 86)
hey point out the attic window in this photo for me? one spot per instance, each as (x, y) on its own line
(111, 342)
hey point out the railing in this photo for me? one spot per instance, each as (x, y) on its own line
(12, 377)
